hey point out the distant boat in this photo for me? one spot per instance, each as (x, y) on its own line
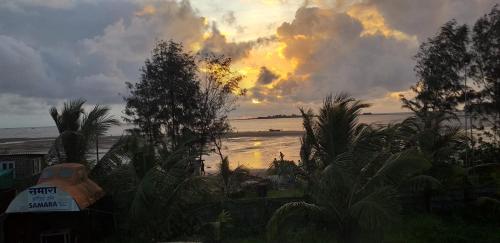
(275, 130)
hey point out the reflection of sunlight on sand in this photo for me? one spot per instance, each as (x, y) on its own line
(255, 153)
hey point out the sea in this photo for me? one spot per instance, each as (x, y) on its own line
(255, 152)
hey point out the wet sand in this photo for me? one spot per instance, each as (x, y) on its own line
(42, 145)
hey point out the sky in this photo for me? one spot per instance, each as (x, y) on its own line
(292, 53)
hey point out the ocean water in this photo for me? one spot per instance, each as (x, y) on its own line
(253, 152)
(285, 124)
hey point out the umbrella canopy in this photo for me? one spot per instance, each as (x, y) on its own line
(64, 187)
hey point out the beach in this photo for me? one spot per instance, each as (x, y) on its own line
(253, 149)
(251, 143)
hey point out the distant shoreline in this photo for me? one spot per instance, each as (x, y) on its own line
(299, 116)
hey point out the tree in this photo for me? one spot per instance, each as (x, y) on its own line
(355, 192)
(219, 89)
(438, 140)
(441, 69)
(284, 169)
(181, 93)
(164, 102)
(334, 131)
(486, 72)
(232, 178)
(155, 193)
(78, 130)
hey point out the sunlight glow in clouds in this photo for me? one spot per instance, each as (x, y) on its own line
(291, 52)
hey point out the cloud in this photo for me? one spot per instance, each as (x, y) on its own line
(217, 43)
(60, 49)
(229, 18)
(334, 53)
(423, 17)
(88, 49)
(19, 4)
(361, 47)
(95, 63)
(266, 76)
(22, 69)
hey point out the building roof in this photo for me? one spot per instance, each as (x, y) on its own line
(62, 187)
(73, 179)
(25, 155)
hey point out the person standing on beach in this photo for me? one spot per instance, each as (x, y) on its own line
(202, 167)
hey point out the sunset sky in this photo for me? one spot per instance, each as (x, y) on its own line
(291, 52)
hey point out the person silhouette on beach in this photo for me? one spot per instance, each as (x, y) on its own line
(202, 167)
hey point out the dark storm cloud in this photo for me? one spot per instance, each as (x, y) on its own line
(217, 43)
(42, 26)
(65, 49)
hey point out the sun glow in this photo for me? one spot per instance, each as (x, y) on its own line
(271, 56)
(256, 101)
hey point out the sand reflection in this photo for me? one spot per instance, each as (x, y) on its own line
(255, 153)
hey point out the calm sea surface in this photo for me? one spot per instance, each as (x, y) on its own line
(285, 124)
(253, 152)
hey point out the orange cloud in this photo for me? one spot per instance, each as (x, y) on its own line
(374, 23)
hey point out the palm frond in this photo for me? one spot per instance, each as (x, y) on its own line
(69, 118)
(97, 122)
(488, 204)
(115, 157)
(376, 209)
(421, 183)
(400, 166)
(294, 214)
(337, 125)
(55, 116)
(308, 142)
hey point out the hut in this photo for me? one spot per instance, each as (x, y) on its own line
(64, 206)
(24, 165)
(7, 191)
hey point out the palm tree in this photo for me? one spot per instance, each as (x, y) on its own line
(232, 178)
(78, 130)
(155, 192)
(355, 188)
(333, 132)
(435, 136)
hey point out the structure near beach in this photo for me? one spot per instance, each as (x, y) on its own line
(23, 165)
(64, 206)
